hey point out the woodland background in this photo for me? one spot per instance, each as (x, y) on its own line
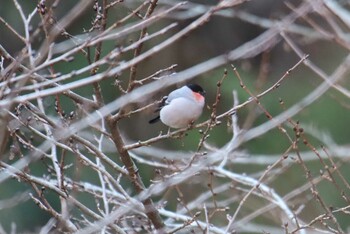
(81, 79)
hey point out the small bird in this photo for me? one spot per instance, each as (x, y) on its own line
(182, 106)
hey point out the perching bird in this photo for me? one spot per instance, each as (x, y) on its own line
(182, 107)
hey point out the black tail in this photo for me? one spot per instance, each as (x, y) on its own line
(156, 119)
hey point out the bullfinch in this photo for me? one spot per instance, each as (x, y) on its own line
(182, 106)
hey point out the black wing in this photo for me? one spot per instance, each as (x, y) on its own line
(154, 120)
(163, 103)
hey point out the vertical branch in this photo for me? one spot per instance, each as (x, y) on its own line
(26, 22)
(100, 175)
(235, 127)
(134, 176)
(137, 51)
(213, 121)
(59, 173)
(101, 18)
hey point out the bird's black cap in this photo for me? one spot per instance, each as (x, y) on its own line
(196, 88)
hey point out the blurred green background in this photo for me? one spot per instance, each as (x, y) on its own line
(329, 114)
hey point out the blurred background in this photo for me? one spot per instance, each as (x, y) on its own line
(325, 122)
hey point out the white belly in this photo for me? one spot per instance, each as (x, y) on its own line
(180, 112)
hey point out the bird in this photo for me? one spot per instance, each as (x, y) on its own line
(181, 107)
